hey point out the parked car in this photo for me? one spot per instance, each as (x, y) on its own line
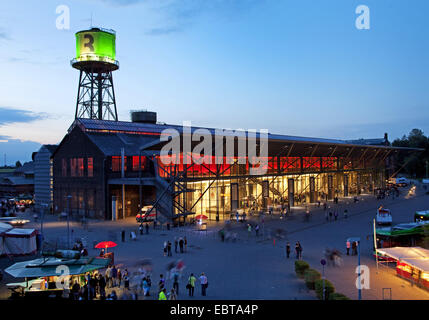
(143, 216)
(383, 216)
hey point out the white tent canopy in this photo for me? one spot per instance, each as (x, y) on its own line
(400, 253)
(16, 241)
(414, 256)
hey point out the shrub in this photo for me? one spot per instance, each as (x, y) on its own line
(300, 267)
(338, 296)
(329, 288)
(310, 276)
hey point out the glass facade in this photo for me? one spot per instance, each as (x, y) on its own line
(217, 190)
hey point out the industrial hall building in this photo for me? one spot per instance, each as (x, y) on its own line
(107, 169)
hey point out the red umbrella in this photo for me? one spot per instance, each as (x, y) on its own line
(105, 245)
(201, 217)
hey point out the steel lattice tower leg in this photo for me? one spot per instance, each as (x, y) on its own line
(96, 96)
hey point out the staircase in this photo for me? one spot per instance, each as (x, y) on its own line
(167, 190)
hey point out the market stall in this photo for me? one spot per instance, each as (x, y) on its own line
(18, 241)
(41, 276)
(412, 263)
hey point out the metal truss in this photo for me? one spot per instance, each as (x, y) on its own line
(96, 96)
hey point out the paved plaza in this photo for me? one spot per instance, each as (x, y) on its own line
(255, 267)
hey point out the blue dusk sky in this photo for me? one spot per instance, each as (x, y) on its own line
(296, 67)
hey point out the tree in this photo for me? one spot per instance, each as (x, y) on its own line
(414, 164)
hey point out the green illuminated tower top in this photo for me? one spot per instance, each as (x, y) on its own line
(95, 45)
(95, 58)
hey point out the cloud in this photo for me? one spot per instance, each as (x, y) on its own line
(4, 35)
(11, 115)
(163, 31)
(180, 14)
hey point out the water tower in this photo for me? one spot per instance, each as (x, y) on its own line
(95, 59)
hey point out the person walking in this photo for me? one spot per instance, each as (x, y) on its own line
(114, 276)
(145, 286)
(75, 290)
(326, 216)
(126, 280)
(345, 213)
(287, 250)
(176, 283)
(191, 284)
(257, 230)
(204, 284)
(119, 277)
(108, 275)
(348, 247)
(147, 228)
(185, 242)
(330, 215)
(336, 215)
(249, 230)
(149, 283)
(172, 295)
(165, 248)
(297, 250)
(353, 248)
(176, 243)
(169, 249)
(102, 286)
(181, 244)
(162, 294)
(161, 282)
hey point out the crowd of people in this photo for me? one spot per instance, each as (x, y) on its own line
(93, 285)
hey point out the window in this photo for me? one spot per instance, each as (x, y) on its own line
(64, 167)
(136, 163)
(73, 167)
(80, 167)
(90, 167)
(116, 163)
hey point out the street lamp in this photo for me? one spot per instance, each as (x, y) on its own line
(44, 206)
(68, 220)
(359, 273)
(323, 262)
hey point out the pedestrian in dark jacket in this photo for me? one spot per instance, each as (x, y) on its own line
(297, 250)
(181, 245)
(169, 249)
(287, 250)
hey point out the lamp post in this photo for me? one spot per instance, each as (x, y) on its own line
(323, 262)
(359, 273)
(68, 220)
